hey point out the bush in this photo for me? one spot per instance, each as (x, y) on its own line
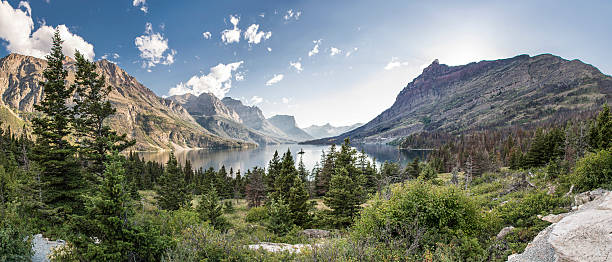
(257, 214)
(420, 216)
(593, 171)
(15, 244)
(523, 212)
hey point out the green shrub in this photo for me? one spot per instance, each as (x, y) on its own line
(256, 214)
(15, 243)
(593, 171)
(419, 216)
(228, 207)
(522, 212)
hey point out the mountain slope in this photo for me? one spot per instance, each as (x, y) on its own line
(288, 126)
(253, 118)
(488, 94)
(212, 114)
(155, 123)
(328, 130)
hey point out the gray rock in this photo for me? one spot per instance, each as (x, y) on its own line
(42, 247)
(315, 233)
(280, 247)
(582, 235)
(504, 232)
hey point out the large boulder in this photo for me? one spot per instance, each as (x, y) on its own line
(582, 235)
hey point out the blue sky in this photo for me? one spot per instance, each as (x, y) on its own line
(367, 50)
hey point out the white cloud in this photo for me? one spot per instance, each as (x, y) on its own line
(349, 53)
(292, 15)
(275, 79)
(153, 47)
(315, 49)
(218, 82)
(16, 28)
(256, 100)
(253, 36)
(395, 63)
(334, 51)
(269, 49)
(285, 100)
(297, 65)
(239, 76)
(262, 15)
(108, 56)
(207, 35)
(142, 4)
(229, 36)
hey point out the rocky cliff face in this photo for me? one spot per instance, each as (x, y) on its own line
(212, 114)
(288, 126)
(253, 118)
(155, 123)
(328, 130)
(206, 104)
(488, 94)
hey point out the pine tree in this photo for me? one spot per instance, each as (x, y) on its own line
(59, 176)
(600, 133)
(109, 212)
(324, 175)
(302, 172)
(255, 188)
(343, 198)
(279, 218)
(210, 210)
(345, 192)
(92, 107)
(172, 194)
(298, 202)
(273, 171)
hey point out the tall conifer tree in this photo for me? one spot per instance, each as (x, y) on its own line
(60, 176)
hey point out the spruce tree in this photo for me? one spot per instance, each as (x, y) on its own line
(279, 217)
(327, 170)
(298, 202)
(95, 140)
(600, 133)
(210, 210)
(345, 192)
(108, 219)
(171, 193)
(60, 176)
(255, 188)
(274, 167)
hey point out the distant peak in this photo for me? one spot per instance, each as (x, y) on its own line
(435, 62)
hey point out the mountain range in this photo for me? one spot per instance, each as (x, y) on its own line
(488, 94)
(328, 130)
(178, 122)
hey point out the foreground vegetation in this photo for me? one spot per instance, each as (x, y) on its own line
(72, 183)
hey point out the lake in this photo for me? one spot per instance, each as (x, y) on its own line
(243, 159)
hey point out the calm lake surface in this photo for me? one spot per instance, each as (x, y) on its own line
(243, 159)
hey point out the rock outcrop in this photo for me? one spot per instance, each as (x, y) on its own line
(584, 234)
(288, 126)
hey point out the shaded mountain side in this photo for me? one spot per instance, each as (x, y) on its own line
(287, 124)
(488, 94)
(155, 123)
(253, 118)
(212, 114)
(328, 130)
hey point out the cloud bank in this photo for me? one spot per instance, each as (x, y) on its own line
(218, 81)
(17, 29)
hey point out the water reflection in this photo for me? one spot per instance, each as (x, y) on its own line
(243, 159)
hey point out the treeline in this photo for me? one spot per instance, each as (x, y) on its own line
(515, 147)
